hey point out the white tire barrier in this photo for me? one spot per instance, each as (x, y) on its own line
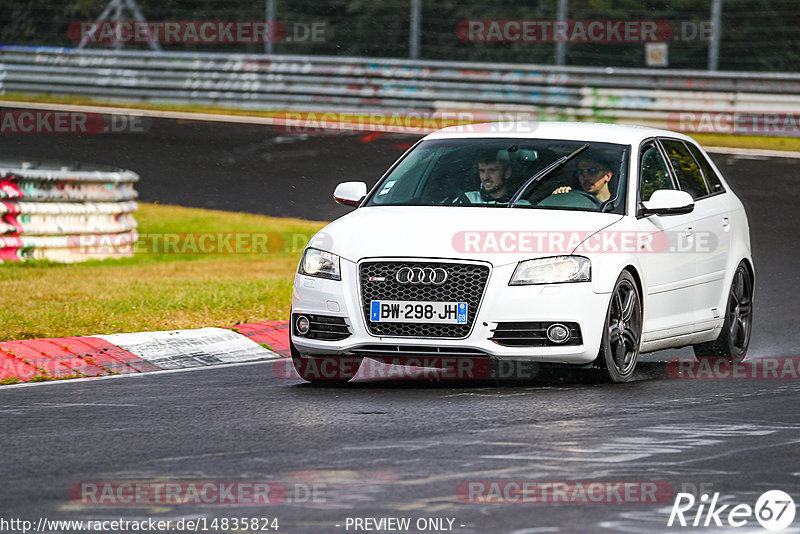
(49, 211)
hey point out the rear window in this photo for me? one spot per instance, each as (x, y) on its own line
(712, 179)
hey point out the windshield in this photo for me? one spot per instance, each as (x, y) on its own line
(487, 172)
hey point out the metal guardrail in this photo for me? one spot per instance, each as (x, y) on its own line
(64, 213)
(335, 83)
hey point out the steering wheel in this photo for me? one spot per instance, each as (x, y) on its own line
(590, 196)
(459, 199)
(573, 199)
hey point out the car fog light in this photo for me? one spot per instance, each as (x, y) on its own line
(558, 333)
(302, 325)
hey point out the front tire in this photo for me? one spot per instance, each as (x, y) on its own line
(325, 370)
(622, 332)
(734, 339)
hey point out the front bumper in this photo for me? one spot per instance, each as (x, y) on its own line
(571, 302)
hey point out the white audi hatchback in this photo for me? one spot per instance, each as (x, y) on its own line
(564, 243)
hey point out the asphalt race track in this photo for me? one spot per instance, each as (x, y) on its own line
(381, 447)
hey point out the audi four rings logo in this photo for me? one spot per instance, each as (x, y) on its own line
(421, 275)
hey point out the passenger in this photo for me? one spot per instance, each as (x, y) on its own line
(494, 174)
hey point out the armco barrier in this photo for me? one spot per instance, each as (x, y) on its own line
(45, 210)
(645, 96)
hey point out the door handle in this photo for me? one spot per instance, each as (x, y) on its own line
(726, 222)
(689, 231)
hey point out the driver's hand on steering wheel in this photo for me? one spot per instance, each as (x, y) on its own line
(458, 198)
(562, 189)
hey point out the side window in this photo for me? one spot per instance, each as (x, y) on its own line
(690, 178)
(653, 174)
(712, 180)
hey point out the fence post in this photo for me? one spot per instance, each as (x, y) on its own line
(414, 28)
(716, 35)
(561, 46)
(269, 46)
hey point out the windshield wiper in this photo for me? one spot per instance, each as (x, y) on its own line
(541, 174)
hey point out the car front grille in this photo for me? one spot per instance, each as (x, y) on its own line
(465, 283)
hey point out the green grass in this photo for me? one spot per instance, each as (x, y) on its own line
(7, 381)
(84, 101)
(154, 291)
(791, 144)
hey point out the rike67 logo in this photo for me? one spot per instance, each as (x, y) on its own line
(774, 510)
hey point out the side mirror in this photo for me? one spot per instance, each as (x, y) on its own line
(667, 202)
(350, 193)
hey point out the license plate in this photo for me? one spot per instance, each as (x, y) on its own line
(402, 311)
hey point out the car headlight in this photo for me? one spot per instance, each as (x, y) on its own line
(553, 270)
(321, 264)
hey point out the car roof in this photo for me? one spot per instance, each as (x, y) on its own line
(573, 131)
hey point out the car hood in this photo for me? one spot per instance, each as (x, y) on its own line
(496, 235)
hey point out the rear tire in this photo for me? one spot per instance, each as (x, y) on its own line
(622, 332)
(325, 370)
(734, 339)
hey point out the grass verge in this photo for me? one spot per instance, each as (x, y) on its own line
(159, 288)
(789, 144)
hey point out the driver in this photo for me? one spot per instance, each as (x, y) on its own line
(594, 171)
(494, 173)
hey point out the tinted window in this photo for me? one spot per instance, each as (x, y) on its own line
(653, 173)
(712, 180)
(690, 178)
